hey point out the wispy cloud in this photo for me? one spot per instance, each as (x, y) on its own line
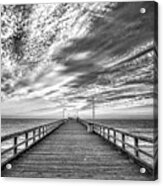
(64, 54)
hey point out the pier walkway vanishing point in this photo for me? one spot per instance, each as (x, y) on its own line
(76, 149)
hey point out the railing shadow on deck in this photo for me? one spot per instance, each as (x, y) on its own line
(12, 145)
(119, 140)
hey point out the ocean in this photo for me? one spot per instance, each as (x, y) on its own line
(9, 126)
(137, 127)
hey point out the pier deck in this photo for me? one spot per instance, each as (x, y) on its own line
(72, 152)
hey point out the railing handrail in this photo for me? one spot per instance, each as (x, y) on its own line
(38, 133)
(8, 136)
(143, 138)
(111, 133)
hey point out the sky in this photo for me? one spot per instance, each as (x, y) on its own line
(57, 58)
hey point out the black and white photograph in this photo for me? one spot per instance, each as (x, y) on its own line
(79, 90)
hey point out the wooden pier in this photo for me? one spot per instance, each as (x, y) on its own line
(75, 149)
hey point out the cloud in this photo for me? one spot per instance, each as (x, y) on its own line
(72, 52)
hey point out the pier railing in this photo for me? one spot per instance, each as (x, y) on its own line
(12, 145)
(129, 144)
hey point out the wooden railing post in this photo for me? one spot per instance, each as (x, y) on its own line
(39, 132)
(108, 134)
(26, 138)
(15, 143)
(101, 131)
(47, 129)
(136, 143)
(43, 131)
(114, 135)
(34, 136)
(123, 141)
